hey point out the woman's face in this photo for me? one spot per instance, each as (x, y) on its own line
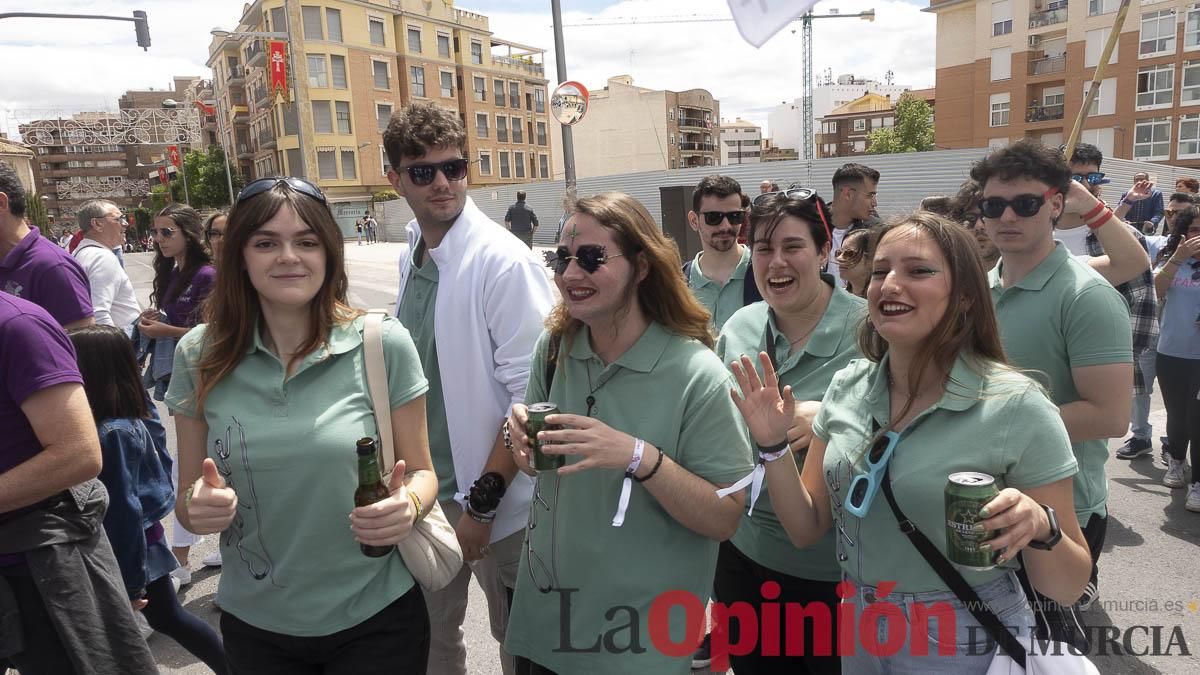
(910, 287)
(595, 298)
(285, 261)
(852, 262)
(787, 267)
(168, 237)
(216, 235)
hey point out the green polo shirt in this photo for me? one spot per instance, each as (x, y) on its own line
(1064, 315)
(286, 446)
(721, 300)
(990, 419)
(416, 313)
(674, 393)
(760, 536)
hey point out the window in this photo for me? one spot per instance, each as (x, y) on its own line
(384, 161)
(860, 146)
(443, 41)
(876, 122)
(290, 119)
(505, 169)
(670, 114)
(514, 95)
(1191, 29)
(1158, 33)
(1098, 7)
(1155, 86)
(1189, 137)
(1101, 138)
(333, 21)
(383, 115)
(1105, 102)
(1002, 63)
(498, 88)
(518, 133)
(414, 39)
(1189, 90)
(860, 125)
(477, 53)
(375, 28)
(544, 165)
(1152, 138)
(485, 163)
(447, 79)
(539, 100)
(1053, 96)
(1000, 109)
(481, 125)
(519, 161)
(541, 133)
(1002, 17)
(311, 17)
(317, 76)
(322, 121)
(327, 165)
(295, 167)
(479, 84)
(342, 112)
(830, 127)
(279, 20)
(349, 168)
(338, 69)
(887, 122)
(1094, 41)
(418, 81)
(380, 71)
(502, 128)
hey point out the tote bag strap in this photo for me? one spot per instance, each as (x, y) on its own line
(377, 386)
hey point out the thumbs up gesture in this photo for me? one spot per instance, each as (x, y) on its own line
(388, 521)
(212, 505)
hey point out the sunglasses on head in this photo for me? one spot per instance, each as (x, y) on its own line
(1091, 178)
(424, 174)
(589, 257)
(802, 194)
(1022, 205)
(865, 486)
(261, 185)
(714, 218)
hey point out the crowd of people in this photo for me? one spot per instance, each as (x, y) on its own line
(722, 426)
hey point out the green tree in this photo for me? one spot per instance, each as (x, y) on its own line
(158, 197)
(35, 210)
(141, 217)
(384, 196)
(913, 131)
(207, 187)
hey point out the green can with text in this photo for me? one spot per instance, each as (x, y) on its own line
(966, 493)
(540, 461)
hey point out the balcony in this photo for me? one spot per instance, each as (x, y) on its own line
(241, 114)
(519, 63)
(1044, 113)
(237, 76)
(266, 140)
(259, 95)
(687, 146)
(694, 122)
(244, 151)
(1048, 65)
(254, 54)
(1057, 13)
(209, 122)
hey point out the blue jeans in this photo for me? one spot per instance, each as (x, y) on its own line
(916, 616)
(1140, 424)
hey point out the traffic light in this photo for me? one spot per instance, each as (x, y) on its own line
(142, 28)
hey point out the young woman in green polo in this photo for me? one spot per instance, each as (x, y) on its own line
(270, 397)
(934, 376)
(807, 326)
(650, 436)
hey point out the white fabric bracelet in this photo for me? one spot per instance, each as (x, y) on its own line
(754, 480)
(639, 447)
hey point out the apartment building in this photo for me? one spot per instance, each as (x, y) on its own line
(357, 62)
(846, 130)
(1026, 68)
(629, 128)
(741, 142)
(786, 120)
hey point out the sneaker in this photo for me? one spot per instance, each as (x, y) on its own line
(1090, 595)
(703, 656)
(212, 559)
(183, 575)
(1174, 476)
(1135, 447)
(1193, 498)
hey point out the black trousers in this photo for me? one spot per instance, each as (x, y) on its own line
(1179, 380)
(740, 579)
(393, 642)
(44, 653)
(527, 667)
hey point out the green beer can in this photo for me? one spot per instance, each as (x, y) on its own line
(537, 422)
(966, 493)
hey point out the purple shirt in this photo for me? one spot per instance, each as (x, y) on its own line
(183, 311)
(44, 274)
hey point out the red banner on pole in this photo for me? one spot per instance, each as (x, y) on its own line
(277, 58)
(162, 175)
(173, 153)
(206, 108)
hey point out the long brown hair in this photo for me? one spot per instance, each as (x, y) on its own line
(663, 295)
(234, 315)
(969, 325)
(195, 256)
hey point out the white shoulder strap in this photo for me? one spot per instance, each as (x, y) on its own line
(377, 385)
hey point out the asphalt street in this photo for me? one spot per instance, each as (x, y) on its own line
(1149, 576)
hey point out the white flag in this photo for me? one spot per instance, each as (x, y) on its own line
(758, 20)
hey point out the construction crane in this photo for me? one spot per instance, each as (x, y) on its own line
(806, 36)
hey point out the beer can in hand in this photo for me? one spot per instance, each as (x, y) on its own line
(966, 493)
(540, 461)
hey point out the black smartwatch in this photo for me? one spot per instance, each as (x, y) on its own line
(1055, 533)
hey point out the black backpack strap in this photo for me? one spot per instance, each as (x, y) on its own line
(552, 360)
(953, 579)
(750, 294)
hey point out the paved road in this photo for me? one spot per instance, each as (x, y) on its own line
(1148, 573)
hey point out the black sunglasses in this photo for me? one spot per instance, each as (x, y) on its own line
(1022, 205)
(300, 185)
(1091, 178)
(802, 194)
(423, 174)
(589, 256)
(714, 218)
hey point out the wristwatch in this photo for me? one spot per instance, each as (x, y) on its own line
(1055, 533)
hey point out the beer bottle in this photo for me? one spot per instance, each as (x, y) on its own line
(370, 488)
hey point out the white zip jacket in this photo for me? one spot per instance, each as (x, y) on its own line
(492, 299)
(113, 299)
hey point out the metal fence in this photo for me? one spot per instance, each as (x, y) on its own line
(905, 180)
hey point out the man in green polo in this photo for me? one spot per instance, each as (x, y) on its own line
(719, 275)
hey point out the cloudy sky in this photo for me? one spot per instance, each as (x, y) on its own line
(61, 66)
